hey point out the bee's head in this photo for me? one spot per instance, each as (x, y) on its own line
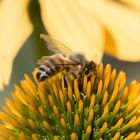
(79, 59)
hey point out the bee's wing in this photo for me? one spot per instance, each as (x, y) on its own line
(43, 60)
(55, 46)
(57, 59)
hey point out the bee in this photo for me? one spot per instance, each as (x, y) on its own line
(64, 58)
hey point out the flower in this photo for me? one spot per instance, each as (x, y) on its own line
(101, 107)
(99, 25)
(94, 26)
(11, 38)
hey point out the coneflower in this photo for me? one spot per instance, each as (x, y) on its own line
(62, 108)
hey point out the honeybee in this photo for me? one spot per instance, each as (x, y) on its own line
(64, 58)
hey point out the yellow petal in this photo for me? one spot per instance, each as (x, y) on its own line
(68, 23)
(134, 3)
(122, 25)
(15, 27)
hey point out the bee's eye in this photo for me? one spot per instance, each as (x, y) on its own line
(86, 71)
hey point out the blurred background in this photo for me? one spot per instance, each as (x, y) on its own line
(33, 48)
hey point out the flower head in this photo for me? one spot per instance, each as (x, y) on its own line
(100, 107)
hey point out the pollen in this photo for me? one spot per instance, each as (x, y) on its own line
(100, 107)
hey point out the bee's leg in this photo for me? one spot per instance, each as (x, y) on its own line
(71, 72)
(74, 74)
(65, 81)
(77, 75)
(67, 69)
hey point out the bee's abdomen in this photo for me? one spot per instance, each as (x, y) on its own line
(45, 72)
(51, 66)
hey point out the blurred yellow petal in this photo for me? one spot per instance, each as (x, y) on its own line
(134, 3)
(122, 24)
(15, 28)
(68, 23)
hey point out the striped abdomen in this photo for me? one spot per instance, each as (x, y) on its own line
(50, 66)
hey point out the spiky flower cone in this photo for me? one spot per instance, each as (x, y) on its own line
(100, 108)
